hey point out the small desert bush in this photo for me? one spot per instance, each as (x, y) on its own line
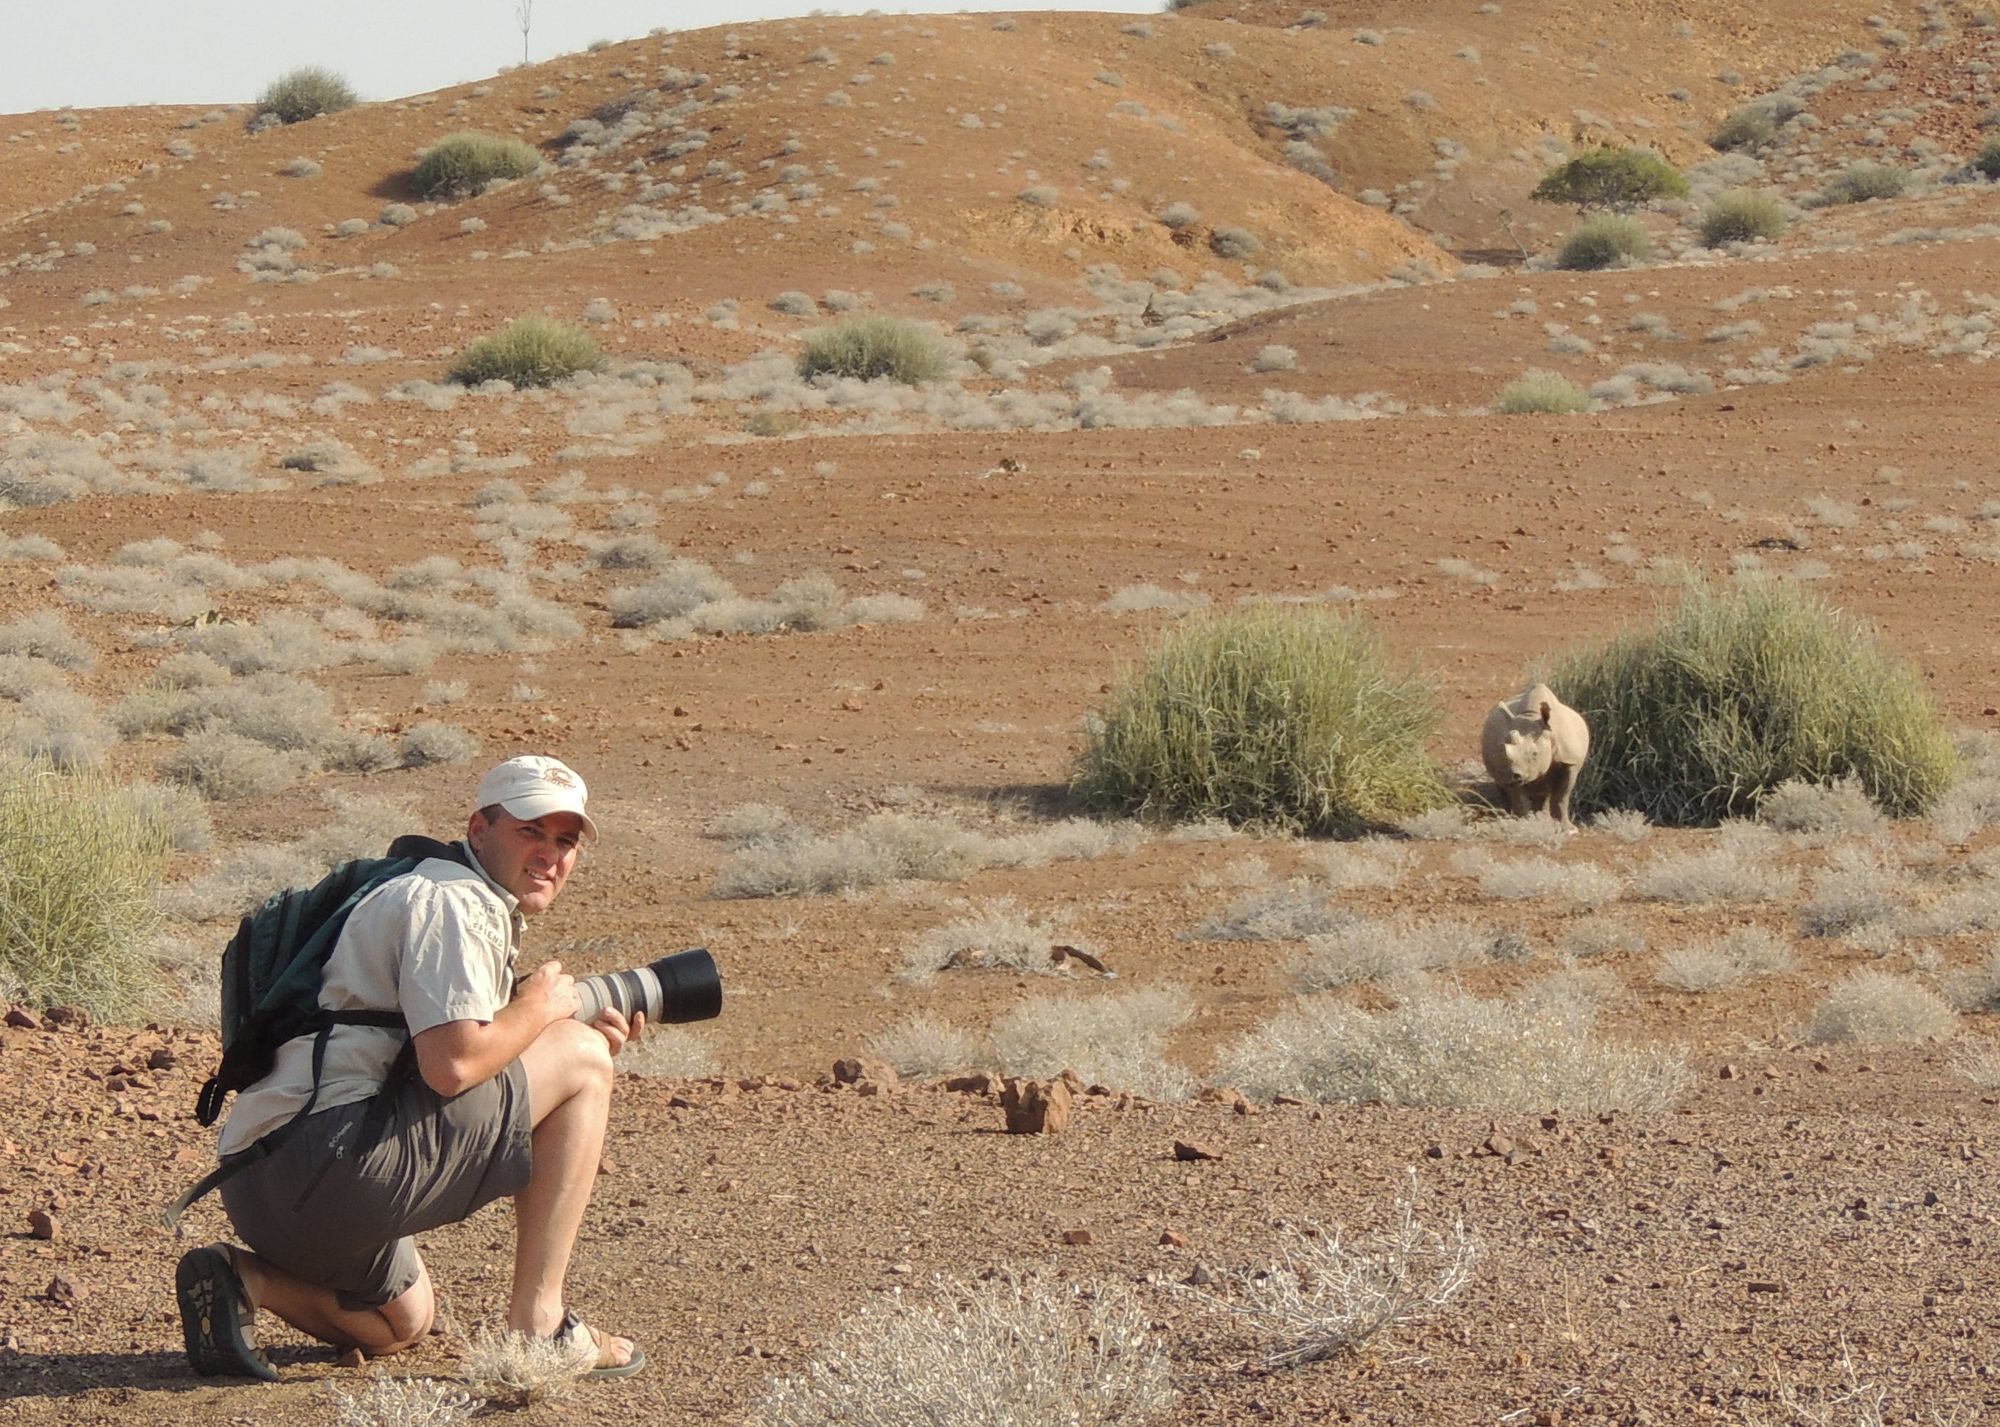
(1861, 182)
(1005, 1351)
(866, 348)
(529, 351)
(78, 866)
(1326, 1296)
(1299, 908)
(1448, 1049)
(224, 766)
(994, 936)
(1366, 950)
(401, 1402)
(1117, 1041)
(1738, 956)
(1737, 866)
(1987, 161)
(1741, 216)
(1880, 1008)
(1738, 690)
(1539, 392)
(519, 1369)
(1281, 716)
(894, 847)
(924, 1048)
(1746, 128)
(430, 742)
(1612, 178)
(465, 163)
(669, 1053)
(46, 636)
(1821, 811)
(305, 93)
(1604, 240)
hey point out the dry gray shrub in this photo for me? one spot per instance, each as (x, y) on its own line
(1821, 812)
(1738, 868)
(1977, 1059)
(180, 815)
(895, 846)
(669, 1053)
(1880, 1008)
(45, 635)
(924, 1048)
(1628, 825)
(1009, 1351)
(21, 676)
(1130, 599)
(993, 936)
(401, 1402)
(1740, 955)
(519, 1369)
(1577, 884)
(1366, 950)
(1545, 833)
(1603, 937)
(283, 640)
(1974, 802)
(1534, 1051)
(749, 823)
(1118, 1041)
(224, 766)
(1370, 862)
(56, 725)
(1299, 908)
(1326, 1296)
(1857, 892)
(431, 742)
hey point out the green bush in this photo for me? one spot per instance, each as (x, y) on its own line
(871, 347)
(1740, 689)
(1988, 159)
(529, 351)
(1858, 183)
(1741, 215)
(1750, 127)
(1612, 178)
(79, 863)
(1539, 392)
(305, 94)
(465, 163)
(1602, 240)
(1285, 717)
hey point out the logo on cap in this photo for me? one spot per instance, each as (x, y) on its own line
(559, 776)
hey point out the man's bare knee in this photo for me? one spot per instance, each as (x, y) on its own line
(408, 1316)
(579, 1048)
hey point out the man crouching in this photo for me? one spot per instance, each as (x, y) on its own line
(493, 1091)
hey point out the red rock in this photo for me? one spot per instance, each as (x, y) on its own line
(1170, 1240)
(162, 1059)
(1728, 1072)
(1078, 1238)
(981, 1083)
(1191, 1150)
(852, 1071)
(64, 1290)
(73, 1016)
(352, 1358)
(44, 1225)
(23, 1019)
(1035, 1107)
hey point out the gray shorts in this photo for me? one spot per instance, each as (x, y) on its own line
(338, 1212)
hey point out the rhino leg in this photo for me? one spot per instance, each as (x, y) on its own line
(1562, 782)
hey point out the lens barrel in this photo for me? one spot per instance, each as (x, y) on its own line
(685, 986)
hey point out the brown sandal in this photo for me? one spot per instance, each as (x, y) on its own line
(572, 1331)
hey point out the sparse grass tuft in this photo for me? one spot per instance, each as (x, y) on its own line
(1741, 216)
(462, 164)
(1445, 1048)
(1296, 909)
(1821, 811)
(1365, 950)
(1742, 688)
(1737, 867)
(1325, 1297)
(518, 1369)
(1281, 716)
(889, 847)
(401, 1402)
(1603, 240)
(1862, 182)
(1542, 393)
(867, 348)
(1743, 954)
(1881, 1008)
(78, 866)
(1113, 1040)
(529, 351)
(924, 1048)
(992, 936)
(305, 93)
(1003, 1349)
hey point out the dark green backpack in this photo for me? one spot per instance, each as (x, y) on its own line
(271, 975)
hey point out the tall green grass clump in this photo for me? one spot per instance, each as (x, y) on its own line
(1740, 689)
(305, 93)
(871, 347)
(1542, 393)
(1987, 161)
(79, 862)
(1861, 182)
(462, 164)
(1284, 717)
(1741, 216)
(529, 351)
(1602, 240)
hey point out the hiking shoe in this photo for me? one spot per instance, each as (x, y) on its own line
(217, 1322)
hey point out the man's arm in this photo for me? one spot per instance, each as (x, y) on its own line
(457, 1055)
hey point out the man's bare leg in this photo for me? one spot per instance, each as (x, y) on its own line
(569, 1095)
(398, 1324)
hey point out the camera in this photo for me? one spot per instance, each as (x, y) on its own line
(682, 987)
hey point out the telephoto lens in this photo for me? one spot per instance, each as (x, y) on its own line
(682, 987)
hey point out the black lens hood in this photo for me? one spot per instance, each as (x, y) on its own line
(690, 986)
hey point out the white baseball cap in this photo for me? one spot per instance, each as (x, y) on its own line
(533, 786)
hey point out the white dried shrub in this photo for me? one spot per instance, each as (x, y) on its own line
(669, 1052)
(1821, 811)
(1976, 1059)
(895, 846)
(401, 1402)
(1603, 937)
(1371, 862)
(179, 815)
(1366, 951)
(1739, 867)
(59, 726)
(1881, 1008)
(925, 1048)
(1857, 891)
(45, 635)
(1274, 358)
(1743, 954)
(1534, 1051)
(749, 823)
(225, 767)
(1627, 825)
(431, 742)
(1008, 1351)
(1131, 599)
(1578, 884)
(1114, 1040)
(1294, 910)
(1326, 1295)
(520, 1369)
(994, 935)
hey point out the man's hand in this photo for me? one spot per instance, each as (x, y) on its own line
(548, 994)
(612, 1025)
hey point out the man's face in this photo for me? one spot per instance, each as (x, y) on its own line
(530, 859)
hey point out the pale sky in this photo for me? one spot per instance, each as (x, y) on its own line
(91, 53)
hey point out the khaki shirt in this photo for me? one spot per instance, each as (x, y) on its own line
(438, 944)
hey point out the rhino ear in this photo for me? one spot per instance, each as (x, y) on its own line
(1545, 713)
